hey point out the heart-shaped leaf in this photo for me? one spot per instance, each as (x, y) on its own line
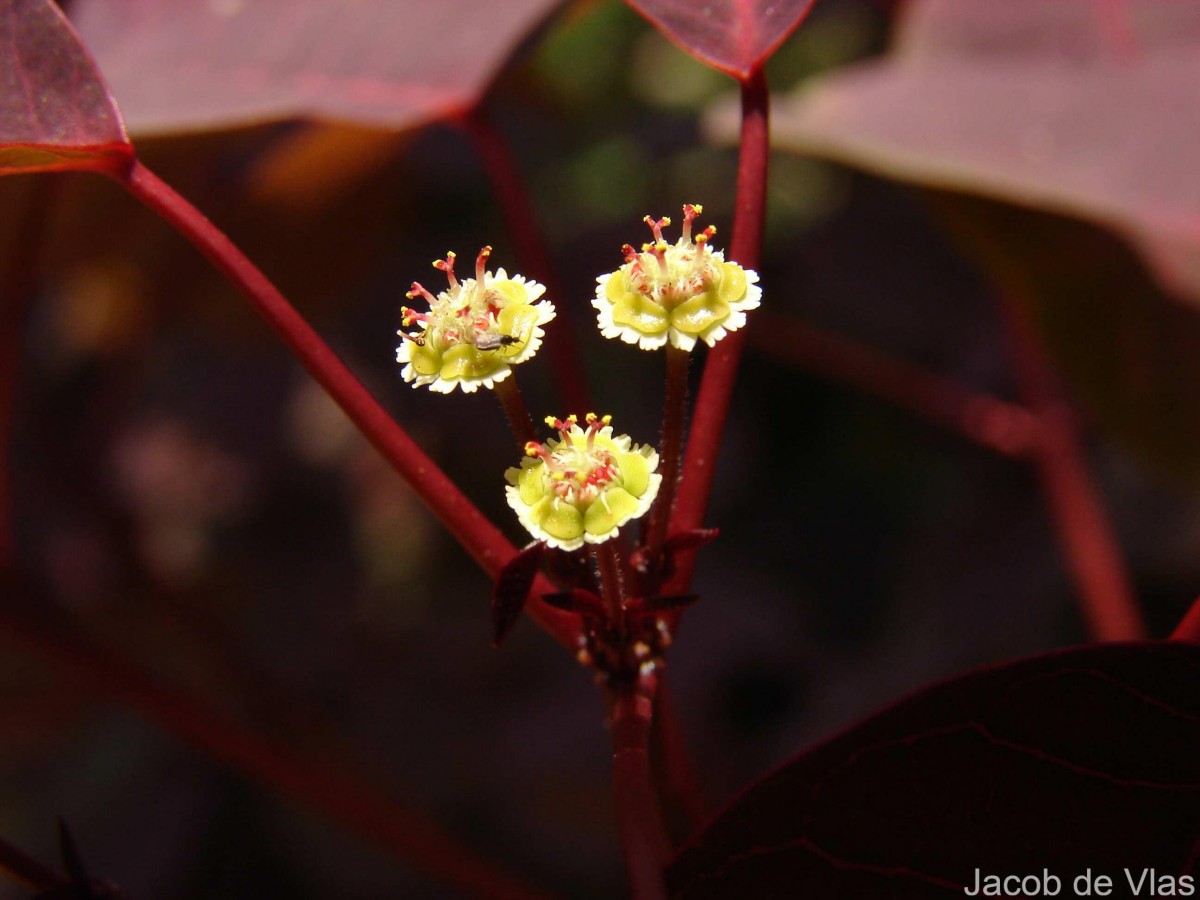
(1053, 105)
(735, 36)
(55, 112)
(1084, 759)
(182, 65)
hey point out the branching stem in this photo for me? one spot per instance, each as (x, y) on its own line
(441, 495)
(1093, 555)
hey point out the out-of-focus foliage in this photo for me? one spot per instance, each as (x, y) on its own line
(1077, 107)
(177, 65)
(305, 592)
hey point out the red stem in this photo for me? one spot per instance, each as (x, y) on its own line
(720, 370)
(360, 807)
(643, 839)
(1189, 626)
(478, 536)
(530, 247)
(674, 410)
(1093, 555)
(508, 392)
(682, 780)
(608, 561)
(996, 424)
(1118, 31)
(27, 870)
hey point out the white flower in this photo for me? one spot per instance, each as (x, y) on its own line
(475, 331)
(584, 486)
(681, 292)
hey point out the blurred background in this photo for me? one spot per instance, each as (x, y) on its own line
(187, 500)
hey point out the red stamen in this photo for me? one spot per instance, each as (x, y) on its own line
(657, 225)
(690, 211)
(447, 265)
(418, 291)
(479, 263)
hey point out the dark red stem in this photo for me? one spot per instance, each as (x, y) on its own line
(1189, 626)
(720, 371)
(1118, 31)
(478, 536)
(643, 839)
(530, 246)
(608, 561)
(670, 449)
(27, 870)
(681, 777)
(1088, 541)
(361, 808)
(997, 424)
(508, 392)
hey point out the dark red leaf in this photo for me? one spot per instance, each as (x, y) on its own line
(1039, 104)
(55, 112)
(735, 36)
(512, 589)
(1084, 758)
(183, 65)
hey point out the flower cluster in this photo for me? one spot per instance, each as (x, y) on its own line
(584, 486)
(681, 292)
(475, 331)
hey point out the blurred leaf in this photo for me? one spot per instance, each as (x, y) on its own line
(183, 65)
(1129, 353)
(735, 36)
(1064, 106)
(314, 165)
(1043, 762)
(55, 112)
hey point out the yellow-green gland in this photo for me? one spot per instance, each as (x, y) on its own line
(679, 293)
(584, 486)
(474, 332)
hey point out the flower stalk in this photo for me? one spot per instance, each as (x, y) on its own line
(720, 370)
(670, 450)
(508, 392)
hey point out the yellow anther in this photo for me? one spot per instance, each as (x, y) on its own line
(551, 421)
(590, 418)
(557, 476)
(532, 448)
(581, 476)
(606, 420)
(572, 418)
